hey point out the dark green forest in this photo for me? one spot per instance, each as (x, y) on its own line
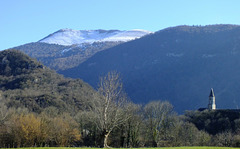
(39, 107)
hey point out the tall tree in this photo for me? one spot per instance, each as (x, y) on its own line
(110, 105)
(134, 127)
(5, 112)
(157, 114)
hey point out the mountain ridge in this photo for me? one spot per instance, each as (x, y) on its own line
(69, 37)
(178, 64)
(59, 57)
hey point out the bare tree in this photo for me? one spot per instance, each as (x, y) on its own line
(110, 105)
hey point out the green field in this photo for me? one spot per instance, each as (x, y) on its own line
(132, 148)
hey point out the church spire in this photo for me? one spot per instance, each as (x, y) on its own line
(211, 93)
(211, 105)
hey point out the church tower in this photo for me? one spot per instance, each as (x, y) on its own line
(211, 105)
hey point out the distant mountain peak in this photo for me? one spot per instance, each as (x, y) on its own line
(199, 28)
(69, 36)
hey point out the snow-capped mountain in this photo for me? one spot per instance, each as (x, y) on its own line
(69, 37)
(179, 64)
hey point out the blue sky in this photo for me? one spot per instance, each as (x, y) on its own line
(24, 21)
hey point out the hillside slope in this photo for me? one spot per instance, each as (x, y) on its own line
(179, 64)
(67, 48)
(24, 82)
(59, 57)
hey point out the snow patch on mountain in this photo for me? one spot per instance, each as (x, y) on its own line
(208, 55)
(68, 37)
(174, 54)
(66, 50)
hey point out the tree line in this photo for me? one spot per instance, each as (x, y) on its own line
(111, 119)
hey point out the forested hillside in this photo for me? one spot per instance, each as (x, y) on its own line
(216, 121)
(179, 64)
(41, 108)
(59, 57)
(27, 83)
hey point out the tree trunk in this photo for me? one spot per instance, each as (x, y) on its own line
(106, 141)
